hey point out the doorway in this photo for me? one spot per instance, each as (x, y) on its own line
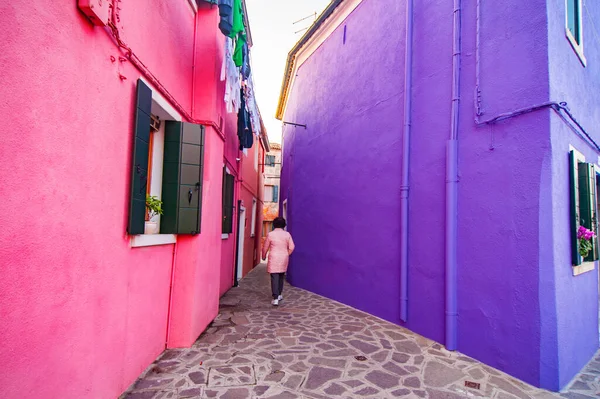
(239, 267)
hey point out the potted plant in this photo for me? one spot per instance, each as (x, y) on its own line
(153, 208)
(586, 238)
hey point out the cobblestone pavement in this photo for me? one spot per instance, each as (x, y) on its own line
(314, 348)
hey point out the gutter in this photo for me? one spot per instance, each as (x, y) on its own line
(405, 186)
(452, 188)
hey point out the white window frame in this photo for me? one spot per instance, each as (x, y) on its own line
(161, 107)
(268, 198)
(577, 47)
(585, 266)
(253, 223)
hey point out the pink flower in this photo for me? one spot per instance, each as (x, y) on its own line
(583, 233)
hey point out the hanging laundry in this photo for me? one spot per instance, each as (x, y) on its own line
(231, 75)
(244, 126)
(238, 19)
(238, 55)
(252, 106)
(226, 12)
(245, 61)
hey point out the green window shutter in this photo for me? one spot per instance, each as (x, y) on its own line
(275, 193)
(228, 191)
(574, 194)
(139, 168)
(587, 203)
(183, 166)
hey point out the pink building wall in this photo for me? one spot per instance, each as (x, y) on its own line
(83, 313)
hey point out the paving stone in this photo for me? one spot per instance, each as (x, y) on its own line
(322, 361)
(436, 394)
(368, 391)
(412, 382)
(353, 383)
(394, 368)
(236, 393)
(319, 376)
(574, 395)
(275, 376)
(153, 384)
(293, 382)
(408, 346)
(142, 395)
(191, 393)
(380, 356)
(382, 380)
(335, 389)
(284, 395)
(400, 357)
(580, 386)
(508, 387)
(340, 353)
(401, 392)
(261, 389)
(307, 349)
(364, 347)
(440, 375)
(477, 374)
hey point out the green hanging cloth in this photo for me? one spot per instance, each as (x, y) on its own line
(238, 54)
(238, 19)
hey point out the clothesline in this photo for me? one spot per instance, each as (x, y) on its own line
(236, 72)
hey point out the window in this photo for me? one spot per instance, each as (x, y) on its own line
(271, 193)
(270, 160)
(253, 223)
(574, 28)
(167, 163)
(256, 151)
(227, 204)
(583, 205)
(268, 194)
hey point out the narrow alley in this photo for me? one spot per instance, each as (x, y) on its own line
(314, 348)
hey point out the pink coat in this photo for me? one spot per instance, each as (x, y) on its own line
(279, 245)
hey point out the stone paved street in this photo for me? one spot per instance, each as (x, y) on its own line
(311, 347)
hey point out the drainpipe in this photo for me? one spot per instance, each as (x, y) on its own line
(452, 188)
(404, 187)
(194, 65)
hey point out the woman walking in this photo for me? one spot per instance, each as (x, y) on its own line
(279, 245)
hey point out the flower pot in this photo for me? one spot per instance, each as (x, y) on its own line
(151, 228)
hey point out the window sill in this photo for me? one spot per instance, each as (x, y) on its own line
(149, 240)
(576, 47)
(224, 236)
(584, 268)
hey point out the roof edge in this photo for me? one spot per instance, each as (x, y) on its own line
(314, 28)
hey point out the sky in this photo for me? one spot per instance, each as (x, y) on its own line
(273, 35)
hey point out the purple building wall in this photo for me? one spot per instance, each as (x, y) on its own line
(576, 298)
(520, 307)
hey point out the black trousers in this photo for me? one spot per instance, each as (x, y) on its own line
(277, 280)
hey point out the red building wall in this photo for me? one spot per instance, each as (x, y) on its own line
(84, 313)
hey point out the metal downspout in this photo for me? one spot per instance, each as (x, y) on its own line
(452, 188)
(404, 188)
